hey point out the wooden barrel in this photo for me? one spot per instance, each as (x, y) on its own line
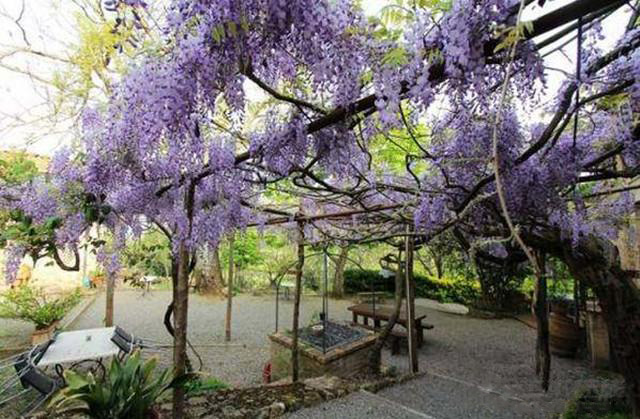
(564, 335)
(598, 339)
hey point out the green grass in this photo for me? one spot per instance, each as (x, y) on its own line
(204, 385)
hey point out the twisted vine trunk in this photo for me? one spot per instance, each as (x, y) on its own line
(180, 306)
(620, 303)
(375, 356)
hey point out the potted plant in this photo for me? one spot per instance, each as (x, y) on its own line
(129, 390)
(97, 278)
(33, 305)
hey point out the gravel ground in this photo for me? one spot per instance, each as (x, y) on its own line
(240, 363)
(497, 357)
(475, 368)
(359, 405)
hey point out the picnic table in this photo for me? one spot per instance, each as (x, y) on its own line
(382, 313)
(287, 288)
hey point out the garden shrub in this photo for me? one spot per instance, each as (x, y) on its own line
(458, 290)
(366, 280)
(32, 304)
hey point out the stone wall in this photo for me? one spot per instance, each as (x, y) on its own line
(346, 361)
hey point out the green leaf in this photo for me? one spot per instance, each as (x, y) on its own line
(233, 28)
(74, 380)
(396, 57)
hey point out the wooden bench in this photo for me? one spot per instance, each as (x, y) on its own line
(396, 337)
(382, 313)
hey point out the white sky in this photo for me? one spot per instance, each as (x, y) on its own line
(49, 25)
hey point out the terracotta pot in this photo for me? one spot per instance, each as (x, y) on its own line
(97, 281)
(564, 335)
(43, 335)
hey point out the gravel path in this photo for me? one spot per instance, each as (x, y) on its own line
(240, 363)
(475, 368)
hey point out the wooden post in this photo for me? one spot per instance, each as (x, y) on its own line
(108, 313)
(541, 311)
(375, 354)
(411, 325)
(296, 305)
(227, 318)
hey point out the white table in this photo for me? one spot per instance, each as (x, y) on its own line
(80, 345)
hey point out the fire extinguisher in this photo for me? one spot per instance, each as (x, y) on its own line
(266, 373)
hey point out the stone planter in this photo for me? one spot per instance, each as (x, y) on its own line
(345, 361)
(43, 335)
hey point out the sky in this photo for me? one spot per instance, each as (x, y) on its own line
(49, 27)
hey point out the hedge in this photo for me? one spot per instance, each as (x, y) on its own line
(444, 290)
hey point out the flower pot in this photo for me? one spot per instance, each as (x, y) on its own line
(43, 335)
(564, 335)
(97, 281)
(317, 329)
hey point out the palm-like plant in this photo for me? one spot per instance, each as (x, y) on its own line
(129, 390)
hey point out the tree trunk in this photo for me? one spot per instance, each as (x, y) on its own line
(375, 355)
(108, 315)
(338, 277)
(621, 307)
(216, 269)
(438, 262)
(541, 310)
(620, 302)
(180, 305)
(296, 305)
(209, 278)
(595, 262)
(185, 265)
(227, 318)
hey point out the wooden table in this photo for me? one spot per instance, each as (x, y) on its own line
(380, 313)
